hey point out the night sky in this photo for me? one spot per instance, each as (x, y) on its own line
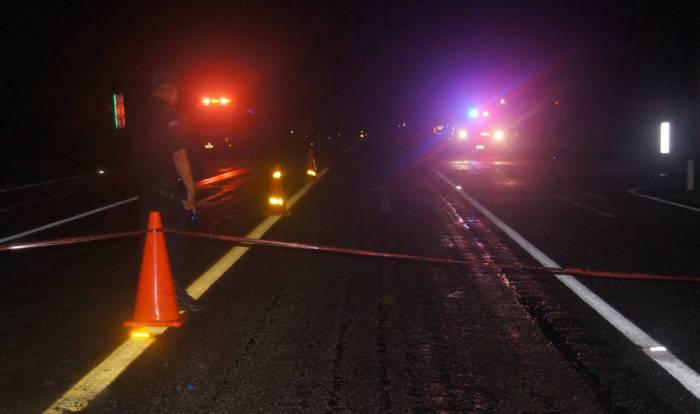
(335, 65)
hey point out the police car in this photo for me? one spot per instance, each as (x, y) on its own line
(483, 131)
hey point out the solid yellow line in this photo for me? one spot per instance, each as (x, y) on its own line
(79, 395)
(214, 273)
(77, 398)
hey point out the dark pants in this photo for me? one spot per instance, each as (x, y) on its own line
(163, 196)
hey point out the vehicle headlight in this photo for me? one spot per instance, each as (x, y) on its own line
(498, 135)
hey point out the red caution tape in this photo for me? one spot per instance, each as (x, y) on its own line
(434, 260)
(352, 252)
(69, 240)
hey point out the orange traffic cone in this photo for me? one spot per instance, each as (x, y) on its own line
(156, 303)
(276, 202)
(311, 167)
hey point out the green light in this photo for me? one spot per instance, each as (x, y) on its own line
(116, 121)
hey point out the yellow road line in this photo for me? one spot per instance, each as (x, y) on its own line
(79, 395)
(204, 282)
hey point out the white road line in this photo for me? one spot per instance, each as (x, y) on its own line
(584, 206)
(669, 362)
(67, 220)
(86, 389)
(635, 192)
(57, 180)
(26, 203)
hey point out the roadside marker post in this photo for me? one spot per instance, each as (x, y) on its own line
(665, 138)
(690, 176)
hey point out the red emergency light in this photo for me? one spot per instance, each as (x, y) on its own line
(222, 100)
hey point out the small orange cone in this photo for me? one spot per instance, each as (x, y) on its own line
(156, 303)
(276, 202)
(311, 172)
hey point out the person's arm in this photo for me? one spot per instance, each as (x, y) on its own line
(184, 169)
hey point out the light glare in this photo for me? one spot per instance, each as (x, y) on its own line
(473, 113)
(277, 174)
(462, 134)
(140, 335)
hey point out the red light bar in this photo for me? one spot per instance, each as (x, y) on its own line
(222, 100)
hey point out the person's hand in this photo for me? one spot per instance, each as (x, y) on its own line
(190, 203)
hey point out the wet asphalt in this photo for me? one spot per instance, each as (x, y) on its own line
(286, 331)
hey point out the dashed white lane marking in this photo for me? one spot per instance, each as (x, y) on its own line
(67, 220)
(38, 200)
(81, 393)
(635, 192)
(585, 206)
(669, 362)
(55, 180)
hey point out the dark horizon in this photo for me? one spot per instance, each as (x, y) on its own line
(339, 66)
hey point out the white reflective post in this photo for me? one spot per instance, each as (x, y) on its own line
(690, 177)
(665, 138)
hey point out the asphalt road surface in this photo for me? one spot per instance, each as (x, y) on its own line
(289, 331)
